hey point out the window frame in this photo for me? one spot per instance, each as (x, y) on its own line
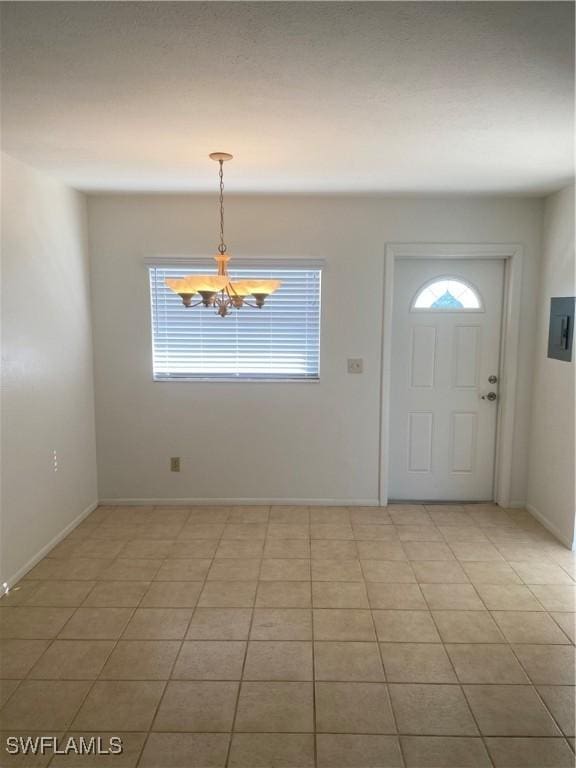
(208, 265)
(447, 310)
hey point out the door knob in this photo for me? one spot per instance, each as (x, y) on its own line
(490, 396)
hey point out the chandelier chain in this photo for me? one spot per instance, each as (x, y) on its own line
(222, 246)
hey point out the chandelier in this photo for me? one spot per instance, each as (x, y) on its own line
(219, 291)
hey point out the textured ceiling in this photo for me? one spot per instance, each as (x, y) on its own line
(310, 97)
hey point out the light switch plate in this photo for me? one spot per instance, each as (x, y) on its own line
(355, 365)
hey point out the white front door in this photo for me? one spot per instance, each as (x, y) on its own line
(445, 361)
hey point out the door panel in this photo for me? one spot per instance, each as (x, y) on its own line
(443, 434)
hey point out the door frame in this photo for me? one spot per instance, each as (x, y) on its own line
(512, 255)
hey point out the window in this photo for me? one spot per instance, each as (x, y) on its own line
(447, 294)
(279, 341)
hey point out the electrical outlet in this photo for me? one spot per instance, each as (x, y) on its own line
(175, 464)
(355, 365)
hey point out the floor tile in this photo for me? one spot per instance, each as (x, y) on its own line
(226, 594)
(185, 750)
(116, 594)
(427, 550)
(560, 701)
(261, 750)
(509, 710)
(245, 531)
(348, 661)
(76, 569)
(119, 706)
(255, 514)
(454, 533)
(285, 569)
(182, 569)
(339, 594)
(330, 550)
(547, 664)
(373, 532)
(388, 571)
(132, 744)
(279, 660)
(447, 516)
(237, 548)
(507, 597)
(336, 570)
(473, 551)
(21, 593)
(399, 596)
(288, 531)
(7, 688)
(555, 597)
(456, 597)
(467, 627)
(32, 623)
(491, 573)
(353, 708)
(432, 710)
(567, 622)
(273, 707)
(284, 594)
(158, 624)
(220, 624)
(478, 663)
(72, 660)
(141, 660)
(416, 663)
(286, 548)
(541, 573)
(374, 516)
(234, 569)
(405, 627)
(96, 624)
(281, 624)
(210, 660)
(60, 593)
(290, 514)
(131, 569)
(329, 515)
(530, 753)
(145, 548)
(380, 550)
(172, 594)
(17, 657)
(344, 750)
(409, 514)
(529, 627)
(194, 530)
(197, 706)
(439, 572)
(43, 704)
(343, 624)
(331, 531)
(444, 752)
(418, 533)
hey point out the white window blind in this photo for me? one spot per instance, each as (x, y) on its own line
(279, 341)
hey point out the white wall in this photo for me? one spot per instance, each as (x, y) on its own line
(551, 485)
(47, 381)
(271, 441)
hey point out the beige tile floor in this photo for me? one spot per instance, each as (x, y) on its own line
(423, 637)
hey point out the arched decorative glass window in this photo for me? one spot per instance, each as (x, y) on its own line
(448, 294)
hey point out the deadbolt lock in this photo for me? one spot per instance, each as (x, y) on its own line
(492, 379)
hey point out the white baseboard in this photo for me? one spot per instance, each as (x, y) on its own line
(550, 526)
(15, 577)
(195, 502)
